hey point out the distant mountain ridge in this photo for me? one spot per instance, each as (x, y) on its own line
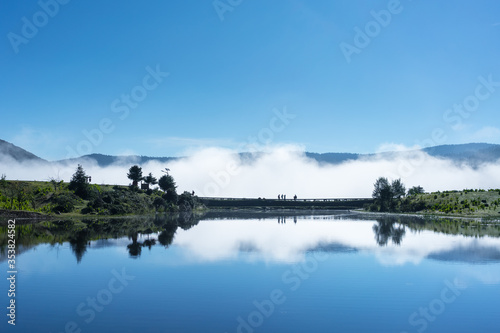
(107, 160)
(473, 154)
(464, 153)
(17, 153)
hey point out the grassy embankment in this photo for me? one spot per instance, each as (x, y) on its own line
(56, 199)
(469, 203)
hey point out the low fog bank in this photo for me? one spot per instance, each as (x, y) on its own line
(279, 170)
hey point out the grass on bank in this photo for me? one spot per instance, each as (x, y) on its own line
(468, 202)
(52, 198)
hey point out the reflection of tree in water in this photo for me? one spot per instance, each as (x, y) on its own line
(186, 220)
(78, 244)
(168, 225)
(149, 243)
(135, 248)
(166, 237)
(389, 228)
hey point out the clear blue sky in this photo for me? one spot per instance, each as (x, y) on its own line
(226, 76)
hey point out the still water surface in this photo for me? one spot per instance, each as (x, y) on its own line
(256, 272)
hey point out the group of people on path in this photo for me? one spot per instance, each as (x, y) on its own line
(283, 197)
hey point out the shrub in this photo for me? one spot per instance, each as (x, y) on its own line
(63, 203)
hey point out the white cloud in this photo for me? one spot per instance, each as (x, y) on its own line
(219, 240)
(281, 170)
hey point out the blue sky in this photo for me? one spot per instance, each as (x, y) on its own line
(233, 68)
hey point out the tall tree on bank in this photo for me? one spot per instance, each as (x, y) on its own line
(167, 184)
(382, 193)
(150, 180)
(398, 191)
(388, 195)
(78, 183)
(135, 175)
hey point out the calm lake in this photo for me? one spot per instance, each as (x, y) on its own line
(254, 272)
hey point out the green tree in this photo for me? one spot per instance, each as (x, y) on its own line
(64, 203)
(186, 201)
(150, 180)
(416, 190)
(388, 195)
(167, 183)
(382, 193)
(398, 189)
(78, 183)
(3, 183)
(171, 196)
(135, 174)
(56, 182)
(159, 202)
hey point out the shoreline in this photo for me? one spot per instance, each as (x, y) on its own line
(34, 217)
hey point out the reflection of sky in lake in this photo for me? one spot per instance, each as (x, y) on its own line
(213, 273)
(288, 242)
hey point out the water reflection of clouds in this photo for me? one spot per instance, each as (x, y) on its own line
(288, 242)
(489, 275)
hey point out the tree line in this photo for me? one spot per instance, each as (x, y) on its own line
(388, 196)
(122, 201)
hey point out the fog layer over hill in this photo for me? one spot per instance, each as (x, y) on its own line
(278, 170)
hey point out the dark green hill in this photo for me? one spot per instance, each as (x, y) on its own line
(17, 153)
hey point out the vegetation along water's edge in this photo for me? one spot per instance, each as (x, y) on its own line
(40, 200)
(79, 197)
